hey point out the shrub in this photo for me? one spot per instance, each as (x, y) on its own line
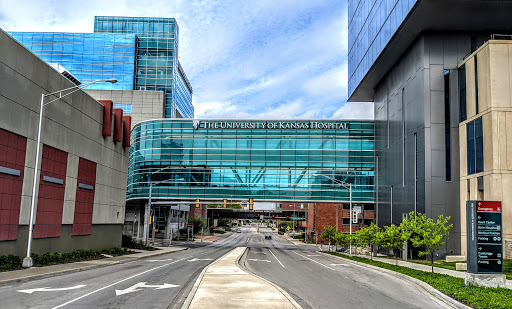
(9, 262)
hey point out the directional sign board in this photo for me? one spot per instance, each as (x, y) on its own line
(484, 237)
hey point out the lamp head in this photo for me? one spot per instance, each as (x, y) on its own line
(111, 80)
(315, 175)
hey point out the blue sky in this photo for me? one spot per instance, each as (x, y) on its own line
(245, 59)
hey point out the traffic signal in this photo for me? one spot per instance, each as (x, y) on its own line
(251, 204)
(258, 215)
(273, 216)
(197, 205)
(287, 217)
(225, 203)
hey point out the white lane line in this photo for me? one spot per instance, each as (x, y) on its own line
(276, 258)
(314, 261)
(106, 287)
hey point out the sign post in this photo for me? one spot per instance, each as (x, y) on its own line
(484, 244)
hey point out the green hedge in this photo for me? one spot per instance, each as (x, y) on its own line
(9, 262)
(477, 297)
(12, 262)
(219, 232)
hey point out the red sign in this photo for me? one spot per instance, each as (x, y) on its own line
(488, 206)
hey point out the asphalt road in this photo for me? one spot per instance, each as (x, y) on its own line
(162, 282)
(311, 278)
(316, 280)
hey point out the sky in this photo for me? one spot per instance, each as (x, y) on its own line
(252, 59)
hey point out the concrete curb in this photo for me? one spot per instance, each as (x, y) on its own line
(83, 268)
(193, 291)
(426, 288)
(285, 294)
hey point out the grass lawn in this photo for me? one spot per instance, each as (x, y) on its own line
(507, 265)
(477, 297)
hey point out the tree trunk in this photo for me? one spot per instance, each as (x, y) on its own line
(432, 260)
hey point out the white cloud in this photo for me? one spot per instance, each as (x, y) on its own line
(355, 110)
(246, 59)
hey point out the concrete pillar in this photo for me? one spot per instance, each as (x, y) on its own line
(167, 234)
(145, 225)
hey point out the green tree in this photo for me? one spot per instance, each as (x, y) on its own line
(368, 237)
(428, 234)
(393, 237)
(197, 223)
(284, 224)
(341, 239)
(328, 233)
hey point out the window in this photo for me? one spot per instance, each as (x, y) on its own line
(476, 84)
(447, 132)
(403, 137)
(462, 93)
(475, 146)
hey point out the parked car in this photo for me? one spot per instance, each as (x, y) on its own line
(268, 236)
(239, 231)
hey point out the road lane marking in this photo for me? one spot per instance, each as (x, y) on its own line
(314, 261)
(30, 291)
(313, 255)
(340, 265)
(256, 260)
(159, 260)
(136, 287)
(276, 258)
(123, 280)
(196, 259)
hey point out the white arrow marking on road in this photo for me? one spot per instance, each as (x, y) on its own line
(134, 288)
(196, 259)
(256, 260)
(159, 260)
(30, 291)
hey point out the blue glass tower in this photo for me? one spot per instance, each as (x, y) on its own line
(157, 66)
(141, 53)
(371, 26)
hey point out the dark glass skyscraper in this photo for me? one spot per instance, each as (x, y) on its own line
(404, 56)
(141, 52)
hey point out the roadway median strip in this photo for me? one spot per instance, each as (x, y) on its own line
(225, 285)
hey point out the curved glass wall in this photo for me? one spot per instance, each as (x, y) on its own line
(242, 159)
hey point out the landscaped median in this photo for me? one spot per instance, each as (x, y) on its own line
(477, 297)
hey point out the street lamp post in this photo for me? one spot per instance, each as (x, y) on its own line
(151, 184)
(27, 261)
(349, 187)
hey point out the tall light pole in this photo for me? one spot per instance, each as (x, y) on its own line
(27, 261)
(349, 187)
(151, 184)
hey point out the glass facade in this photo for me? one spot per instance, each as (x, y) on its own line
(475, 146)
(87, 56)
(243, 159)
(371, 24)
(156, 59)
(142, 53)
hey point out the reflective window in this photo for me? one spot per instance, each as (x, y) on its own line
(475, 146)
(371, 25)
(265, 160)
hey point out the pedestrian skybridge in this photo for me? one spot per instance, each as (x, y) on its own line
(253, 160)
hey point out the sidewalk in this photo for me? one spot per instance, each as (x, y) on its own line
(224, 285)
(33, 273)
(427, 268)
